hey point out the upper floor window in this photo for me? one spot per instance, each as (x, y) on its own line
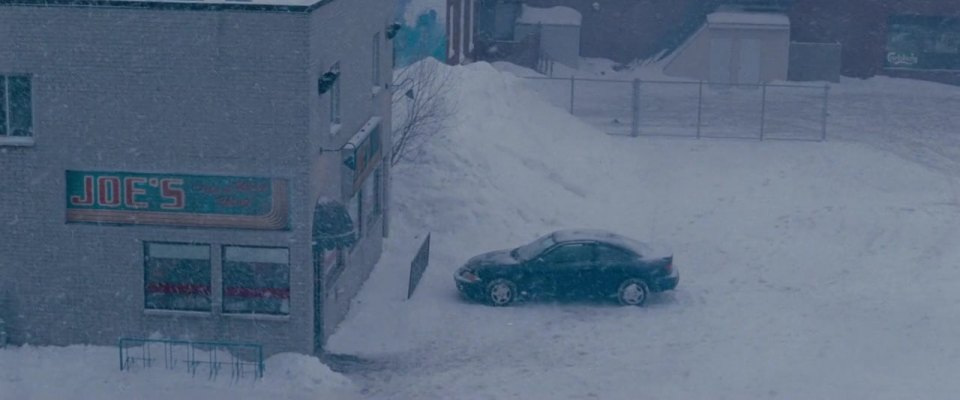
(376, 59)
(335, 100)
(16, 106)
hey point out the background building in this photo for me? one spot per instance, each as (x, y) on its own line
(858, 38)
(190, 170)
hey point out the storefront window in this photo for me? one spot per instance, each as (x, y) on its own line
(256, 280)
(356, 212)
(370, 199)
(177, 277)
(378, 191)
(922, 42)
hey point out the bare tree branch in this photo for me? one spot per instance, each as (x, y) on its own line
(421, 107)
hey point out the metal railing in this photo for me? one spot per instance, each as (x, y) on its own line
(243, 359)
(697, 109)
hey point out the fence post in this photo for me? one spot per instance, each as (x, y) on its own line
(763, 108)
(572, 81)
(635, 125)
(699, 107)
(120, 345)
(823, 117)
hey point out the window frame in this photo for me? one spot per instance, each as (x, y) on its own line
(355, 210)
(336, 119)
(378, 190)
(599, 248)
(6, 134)
(146, 257)
(376, 79)
(586, 245)
(224, 286)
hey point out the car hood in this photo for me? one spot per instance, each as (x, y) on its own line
(493, 258)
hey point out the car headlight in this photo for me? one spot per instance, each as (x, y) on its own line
(469, 276)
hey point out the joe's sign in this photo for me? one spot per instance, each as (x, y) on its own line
(177, 200)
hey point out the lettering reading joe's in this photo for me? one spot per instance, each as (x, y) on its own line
(184, 200)
(129, 192)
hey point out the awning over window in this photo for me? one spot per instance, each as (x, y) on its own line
(332, 225)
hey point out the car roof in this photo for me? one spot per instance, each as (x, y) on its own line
(598, 235)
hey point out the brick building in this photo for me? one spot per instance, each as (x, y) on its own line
(194, 170)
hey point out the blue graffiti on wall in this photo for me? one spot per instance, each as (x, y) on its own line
(426, 38)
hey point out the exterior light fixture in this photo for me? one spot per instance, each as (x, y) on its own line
(326, 81)
(393, 29)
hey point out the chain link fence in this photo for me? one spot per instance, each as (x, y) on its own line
(693, 108)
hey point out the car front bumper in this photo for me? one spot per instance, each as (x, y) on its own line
(471, 290)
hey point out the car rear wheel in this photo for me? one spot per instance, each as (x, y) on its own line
(633, 292)
(501, 292)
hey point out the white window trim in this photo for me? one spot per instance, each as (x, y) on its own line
(472, 18)
(19, 141)
(336, 102)
(376, 73)
(260, 317)
(177, 313)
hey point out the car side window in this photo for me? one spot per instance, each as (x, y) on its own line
(608, 254)
(569, 253)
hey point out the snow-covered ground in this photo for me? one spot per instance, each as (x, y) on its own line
(808, 269)
(92, 372)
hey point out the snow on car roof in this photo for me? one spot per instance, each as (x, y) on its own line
(644, 249)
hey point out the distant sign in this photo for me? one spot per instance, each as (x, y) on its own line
(177, 200)
(419, 265)
(895, 59)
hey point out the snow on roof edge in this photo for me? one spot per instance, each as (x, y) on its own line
(748, 18)
(557, 15)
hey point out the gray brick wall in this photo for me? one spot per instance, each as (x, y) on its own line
(353, 49)
(172, 91)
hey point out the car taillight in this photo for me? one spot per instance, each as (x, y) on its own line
(469, 276)
(669, 268)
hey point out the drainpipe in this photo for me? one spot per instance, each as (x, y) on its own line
(3, 334)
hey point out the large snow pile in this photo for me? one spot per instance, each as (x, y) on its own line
(93, 372)
(808, 270)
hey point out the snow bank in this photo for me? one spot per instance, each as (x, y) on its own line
(93, 372)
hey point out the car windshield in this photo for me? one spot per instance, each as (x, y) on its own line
(533, 249)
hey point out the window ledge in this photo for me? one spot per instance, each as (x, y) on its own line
(19, 141)
(335, 128)
(258, 317)
(177, 313)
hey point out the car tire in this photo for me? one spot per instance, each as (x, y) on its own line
(633, 292)
(501, 292)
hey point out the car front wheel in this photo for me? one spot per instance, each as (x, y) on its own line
(633, 292)
(501, 292)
